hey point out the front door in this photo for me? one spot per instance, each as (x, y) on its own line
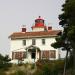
(33, 55)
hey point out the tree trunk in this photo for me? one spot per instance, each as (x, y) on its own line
(73, 46)
(74, 62)
(64, 73)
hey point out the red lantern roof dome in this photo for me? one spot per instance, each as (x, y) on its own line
(39, 18)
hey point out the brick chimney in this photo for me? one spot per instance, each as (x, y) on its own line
(23, 28)
(49, 28)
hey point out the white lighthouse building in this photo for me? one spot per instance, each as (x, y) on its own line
(32, 46)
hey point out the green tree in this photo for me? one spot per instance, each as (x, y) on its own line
(4, 62)
(67, 38)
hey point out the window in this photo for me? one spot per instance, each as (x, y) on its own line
(41, 21)
(33, 42)
(52, 54)
(45, 54)
(43, 41)
(18, 55)
(24, 42)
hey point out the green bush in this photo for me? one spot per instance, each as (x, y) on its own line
(38, 72)
(4, 62)
(19, 72)
(46, 70)
(2, 73)
(5, 66)
(32, 66)
(50, 67)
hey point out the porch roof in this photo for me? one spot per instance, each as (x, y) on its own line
(32, 48)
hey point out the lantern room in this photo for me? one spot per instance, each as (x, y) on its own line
(39, 25)
(39, 22)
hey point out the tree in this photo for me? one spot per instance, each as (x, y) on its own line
(4, 62)
(67, 38)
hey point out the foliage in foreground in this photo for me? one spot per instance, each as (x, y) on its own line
(41, 67)
(19, 72)
(47, 67)
(4, 62)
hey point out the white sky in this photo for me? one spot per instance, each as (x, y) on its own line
(15, 13)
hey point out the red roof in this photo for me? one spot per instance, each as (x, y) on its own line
(19, 35)
(39, 18)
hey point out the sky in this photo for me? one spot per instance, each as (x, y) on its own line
(15, 13)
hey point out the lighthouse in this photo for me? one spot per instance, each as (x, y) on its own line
(35, 44)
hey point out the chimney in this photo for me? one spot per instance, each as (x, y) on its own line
(23, 28)
(49, 28)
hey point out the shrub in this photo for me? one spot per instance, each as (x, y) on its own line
(46, 70)
(32, 66)
(38, 72)
(4, 62)
(19, 72)
(2, 73)
(50, 67)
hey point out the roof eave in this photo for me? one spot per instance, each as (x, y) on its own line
(29, 37)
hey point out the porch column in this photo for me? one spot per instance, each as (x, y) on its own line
(40, 55)
(36, 54)
(27, 53)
